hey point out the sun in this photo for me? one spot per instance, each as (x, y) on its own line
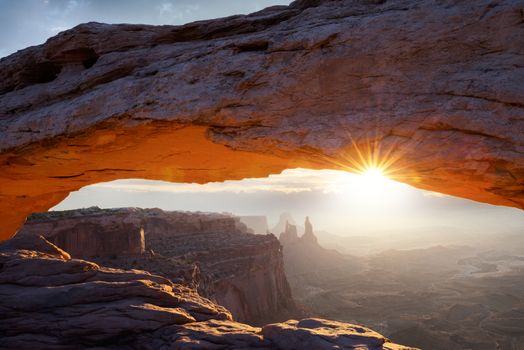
(373, 181)
(373, 174)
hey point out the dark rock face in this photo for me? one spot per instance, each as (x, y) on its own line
(432, 89)
(247, 278)
(89, 238)
(212, 252)
(50, 301)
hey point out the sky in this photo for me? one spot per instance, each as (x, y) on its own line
(338, 202)
(26, 23)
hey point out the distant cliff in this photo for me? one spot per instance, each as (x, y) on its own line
(215, 253)
(283, 221)
(89, 232)
(309, 265)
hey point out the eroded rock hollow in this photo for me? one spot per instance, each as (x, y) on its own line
(433, 90)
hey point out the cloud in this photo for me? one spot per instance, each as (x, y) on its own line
(434, 194)
(58, 29)
(71, 6)
(165, 8)
(289, 181)
(177, 11)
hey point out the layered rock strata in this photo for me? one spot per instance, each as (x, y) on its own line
(100, 236)
(215, 253)
(50, 301)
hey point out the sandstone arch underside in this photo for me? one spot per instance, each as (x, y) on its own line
(433, 88)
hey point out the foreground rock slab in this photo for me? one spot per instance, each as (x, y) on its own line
(324, 334)
(50, 301)
(433, 90)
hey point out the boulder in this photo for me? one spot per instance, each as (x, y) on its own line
(48, 300)
(319, 334)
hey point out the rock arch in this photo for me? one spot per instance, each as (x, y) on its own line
(433, 89)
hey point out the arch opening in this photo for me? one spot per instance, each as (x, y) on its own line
(40, 175)
(369, 202)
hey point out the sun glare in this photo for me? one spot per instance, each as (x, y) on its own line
(373, 174)
(373, 181)
(371, 189)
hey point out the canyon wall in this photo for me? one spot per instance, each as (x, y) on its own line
(215, 253)
(431, 91)
(90, 232)
(50, 301)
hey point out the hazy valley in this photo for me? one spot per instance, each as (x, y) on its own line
(441, 297)
(178, 280)
(445, 296)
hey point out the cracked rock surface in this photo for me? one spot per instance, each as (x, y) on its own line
(50, 301)
(434, 88)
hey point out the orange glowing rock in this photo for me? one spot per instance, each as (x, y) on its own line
(318, 84)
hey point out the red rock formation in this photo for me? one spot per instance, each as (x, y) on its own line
(95, 234)
(324, 334)
(308, 235)
(290, 235)
(244, 272)
(432, 89)
(307, 263)
(214, 252)
(50, 301)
